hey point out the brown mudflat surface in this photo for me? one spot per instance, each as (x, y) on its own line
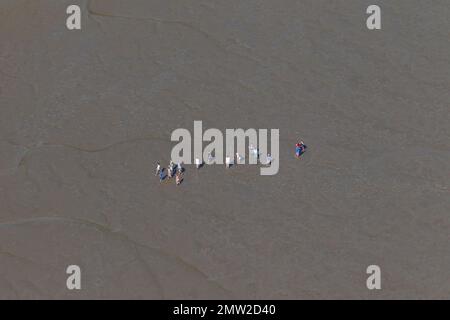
(85, 115)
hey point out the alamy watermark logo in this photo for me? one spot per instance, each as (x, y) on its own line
(374, 280)
(74, 280)
(216, 153)
(73, 22)
(374, 20)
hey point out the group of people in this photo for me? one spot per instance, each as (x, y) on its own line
(253, 152)
(176, 170)
(172, 171)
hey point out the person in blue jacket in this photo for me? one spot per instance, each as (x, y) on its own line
(299, 149)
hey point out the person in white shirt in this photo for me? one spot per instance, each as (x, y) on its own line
(197, 163)
(228, 162)
(269, 159)
(158, 168)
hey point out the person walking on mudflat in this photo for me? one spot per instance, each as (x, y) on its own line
(170, 169)
(269, 159)
(158, 168)
(228, 162)
(299, 149)
(170, 172)
(178, 178)
(198, 163)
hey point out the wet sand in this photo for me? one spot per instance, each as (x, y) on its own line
(85, 115)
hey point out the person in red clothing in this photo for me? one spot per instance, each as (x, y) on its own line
(299, 149)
